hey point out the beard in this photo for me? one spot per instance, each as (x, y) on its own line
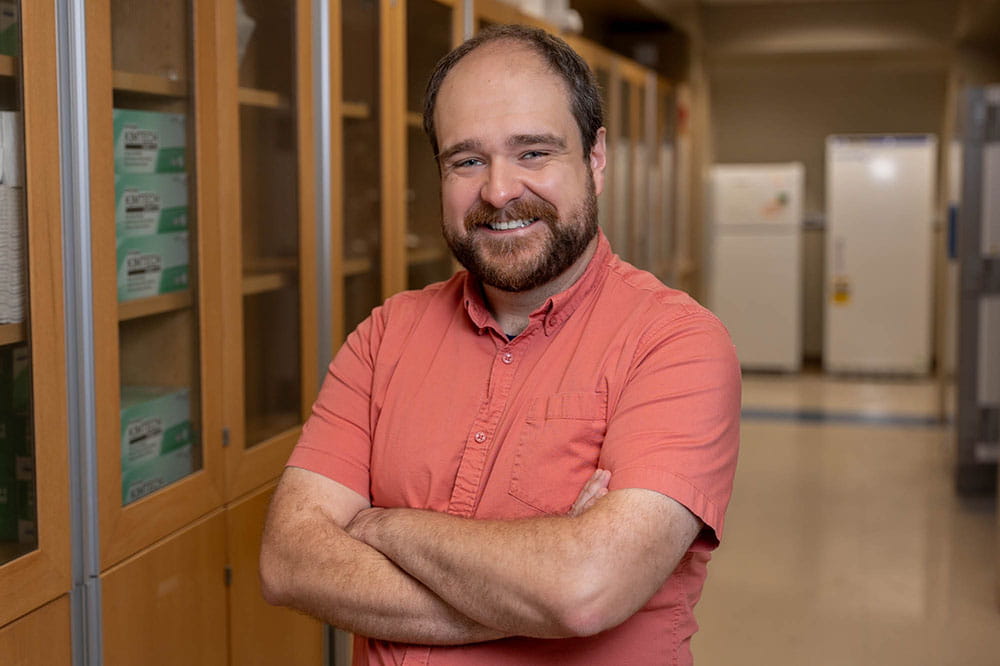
(524, 263)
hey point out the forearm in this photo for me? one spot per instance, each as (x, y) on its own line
(548, 577)
(308, 562)
(356, 588)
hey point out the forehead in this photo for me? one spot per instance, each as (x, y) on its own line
(503, 88)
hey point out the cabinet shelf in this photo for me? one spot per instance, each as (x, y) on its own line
(144, 307)
(8, 65)
(357, 266)
(11, 334)
(356, 110)
(265, 99)
(262, 283)
(149, 84)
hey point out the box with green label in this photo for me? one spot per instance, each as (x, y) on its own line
(149, 141)
(152, 265)
(150, 203)
(156, 439)
(10, 28)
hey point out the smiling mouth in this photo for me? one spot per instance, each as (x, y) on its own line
(511, 224)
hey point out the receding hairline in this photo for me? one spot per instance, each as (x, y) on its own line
(494, 44)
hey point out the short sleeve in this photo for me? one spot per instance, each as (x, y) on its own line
(675, 427)
(336, 438)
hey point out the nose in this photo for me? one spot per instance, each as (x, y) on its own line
(502, 185)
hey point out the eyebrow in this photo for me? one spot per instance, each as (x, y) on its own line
(515, 141)
(470, 145)
(519, 140)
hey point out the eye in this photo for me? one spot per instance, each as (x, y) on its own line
(533, 154)
(466, 163)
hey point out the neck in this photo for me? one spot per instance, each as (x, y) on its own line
(512, 309)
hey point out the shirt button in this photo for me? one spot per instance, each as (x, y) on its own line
(507, 358)
(480, 436)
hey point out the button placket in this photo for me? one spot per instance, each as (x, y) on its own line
(479, 448)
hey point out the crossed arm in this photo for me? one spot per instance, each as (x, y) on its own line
(426, 577)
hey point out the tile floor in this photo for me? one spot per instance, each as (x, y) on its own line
(845, 544)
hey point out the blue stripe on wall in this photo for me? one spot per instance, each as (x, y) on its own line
(840, 418)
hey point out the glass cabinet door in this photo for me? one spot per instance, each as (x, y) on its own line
(276, 237)
(148, 271)
(620, 165)
(641, 220)
(430, 29)
(34, 508)
(361, 159)
(664, 186)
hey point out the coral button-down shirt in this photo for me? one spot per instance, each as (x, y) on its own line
(429, 405)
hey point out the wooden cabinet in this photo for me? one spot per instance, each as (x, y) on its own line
(359, 217)
(167, 605)
(41, 638)
(205, 316)
(433, 28)
(34, 485)
(158, 410)
(259, 633)
(269, 255)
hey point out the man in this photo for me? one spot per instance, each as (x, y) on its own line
(530, 462)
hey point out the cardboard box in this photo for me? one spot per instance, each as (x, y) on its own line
(147, 204)
(149, 141)
(156, 439)
(152, 265)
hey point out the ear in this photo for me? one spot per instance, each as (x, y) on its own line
(599, 159)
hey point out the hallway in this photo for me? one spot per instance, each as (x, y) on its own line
(845, 544)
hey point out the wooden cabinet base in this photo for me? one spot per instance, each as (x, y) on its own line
(167, 605)
(40, 638)
(262, 634)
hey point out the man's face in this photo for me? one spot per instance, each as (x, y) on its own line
(519, 201)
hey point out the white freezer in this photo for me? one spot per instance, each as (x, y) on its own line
(879, 197)
(755, 281)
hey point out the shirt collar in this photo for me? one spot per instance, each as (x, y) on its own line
(557, 309)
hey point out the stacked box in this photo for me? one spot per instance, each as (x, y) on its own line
(148, 204)
(10, 28)
(149, 141)
(156, 439)
(151, 265)
(151, 213)
(12, 229)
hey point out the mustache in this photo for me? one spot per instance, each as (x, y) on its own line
(483, 213)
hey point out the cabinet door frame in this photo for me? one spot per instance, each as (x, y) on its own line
(38, 577)
(124, 530)
(250, 468)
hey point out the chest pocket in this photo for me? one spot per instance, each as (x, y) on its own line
(559, 449)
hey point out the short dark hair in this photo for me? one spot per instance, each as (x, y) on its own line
(585, 98)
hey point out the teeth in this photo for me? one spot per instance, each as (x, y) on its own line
(512, 224)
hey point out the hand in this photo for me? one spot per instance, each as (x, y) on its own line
(595, 488)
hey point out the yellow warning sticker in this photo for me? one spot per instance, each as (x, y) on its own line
(841, 292)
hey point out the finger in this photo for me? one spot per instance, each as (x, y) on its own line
(590, 502)
(597, 483)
